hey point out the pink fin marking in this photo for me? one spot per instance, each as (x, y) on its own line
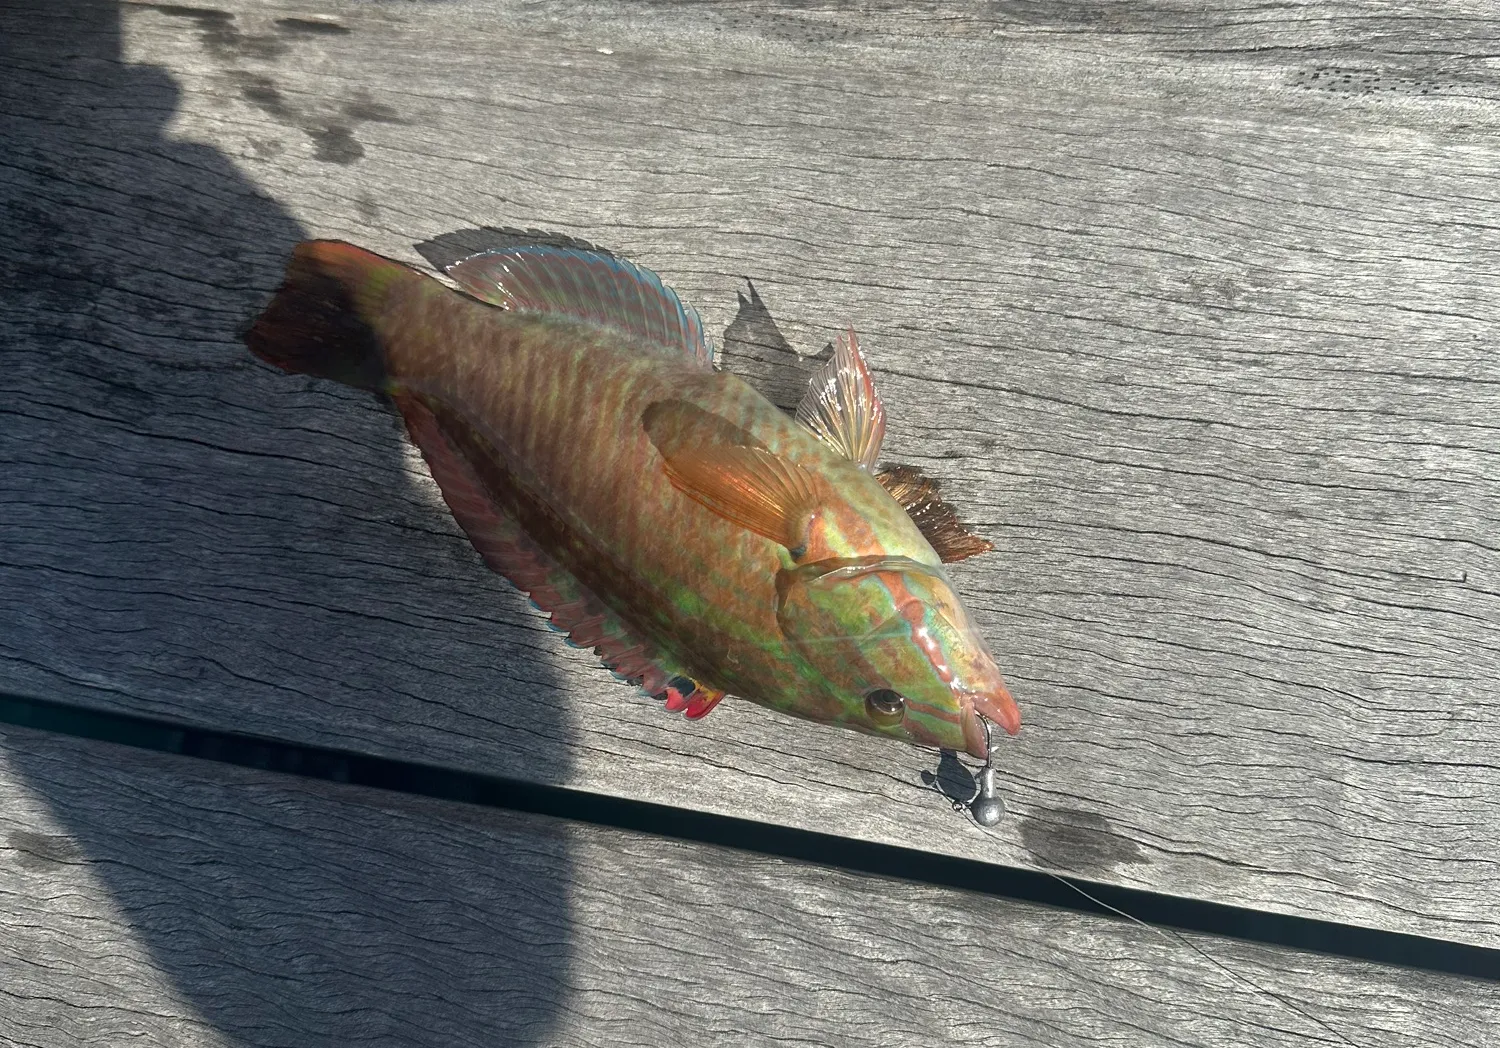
(590, 285)
(702, 703)
(507, 549)
(693, 699)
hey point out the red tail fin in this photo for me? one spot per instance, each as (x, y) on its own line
(324, 320)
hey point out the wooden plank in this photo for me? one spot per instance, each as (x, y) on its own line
(164, 901)
(1192, 307)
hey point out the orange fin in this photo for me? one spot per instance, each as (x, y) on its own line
(723, 467)
(841, 406)
(934, 517)
(749, 486)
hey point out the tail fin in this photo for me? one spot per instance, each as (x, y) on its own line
(324, 320)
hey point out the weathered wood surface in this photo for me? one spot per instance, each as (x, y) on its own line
(161, 901)
(1192, 305)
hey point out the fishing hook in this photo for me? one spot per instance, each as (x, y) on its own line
(986, 806)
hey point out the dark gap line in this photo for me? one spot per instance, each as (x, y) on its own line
(824, 849)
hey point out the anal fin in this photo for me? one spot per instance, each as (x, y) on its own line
(507, 549)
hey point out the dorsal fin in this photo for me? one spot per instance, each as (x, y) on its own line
(446, 250)
(934, 517)
(842, 407)
(590, 284)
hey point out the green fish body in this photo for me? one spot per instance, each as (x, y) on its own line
(664, 513)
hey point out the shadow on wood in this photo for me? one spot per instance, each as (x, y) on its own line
(133, 261)
(274, 917)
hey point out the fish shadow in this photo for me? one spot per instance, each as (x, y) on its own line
(194, 536)
(755, 349)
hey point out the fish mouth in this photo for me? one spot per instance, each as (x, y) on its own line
(995, 705)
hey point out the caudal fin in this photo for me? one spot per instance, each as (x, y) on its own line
(325, 319)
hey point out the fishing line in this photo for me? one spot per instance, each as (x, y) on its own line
(986, 780)
(986, 809)
(1177, 936)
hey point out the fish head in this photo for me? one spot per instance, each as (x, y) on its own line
(897, 649)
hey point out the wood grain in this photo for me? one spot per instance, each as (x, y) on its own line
(161, 901)
(1191, 305)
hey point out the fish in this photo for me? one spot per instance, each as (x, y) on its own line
(702, 541)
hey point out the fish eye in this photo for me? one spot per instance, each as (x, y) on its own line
(885, 707)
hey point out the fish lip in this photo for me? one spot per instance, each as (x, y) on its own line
(999, 708)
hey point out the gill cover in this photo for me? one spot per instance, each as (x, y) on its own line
(874, 625)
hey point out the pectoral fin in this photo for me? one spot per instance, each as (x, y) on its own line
(749, 486)
(727, 470)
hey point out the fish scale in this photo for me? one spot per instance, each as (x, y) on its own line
(565, 455)
(664, 513)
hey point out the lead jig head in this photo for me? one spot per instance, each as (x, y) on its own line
(986, 806)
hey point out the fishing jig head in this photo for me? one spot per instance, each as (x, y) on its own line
(986, 806)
